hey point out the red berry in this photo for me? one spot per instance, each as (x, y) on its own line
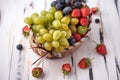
(84, 63)
(85, 11)
(101, 49)
(75, 13)
(37, 72)
(66, 68)
(77, 36)
(84, 21)
(94, 10)
(26, 30)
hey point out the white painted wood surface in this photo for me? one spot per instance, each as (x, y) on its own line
(15, 65)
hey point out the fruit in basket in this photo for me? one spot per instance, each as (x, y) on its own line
(37, 72)
(94, 10)
(59, 28)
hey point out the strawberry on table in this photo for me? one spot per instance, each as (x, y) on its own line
(66, 69)
(85, 11)
(94, 10)
(26, 30)
(84, 63)
(101, 49)
(37, 72)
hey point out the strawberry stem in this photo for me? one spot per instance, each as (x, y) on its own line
(92, 59)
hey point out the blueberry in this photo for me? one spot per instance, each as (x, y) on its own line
(77, 4)
(68, 2)
(70, 38)
(53, 3)
(72, 41)
(59, 6)
(97, 20)
(61, 1)
(19, 47)
(67, 10)
(80, 1)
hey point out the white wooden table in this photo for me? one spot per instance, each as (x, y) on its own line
(16, 65)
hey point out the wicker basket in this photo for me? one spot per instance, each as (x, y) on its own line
(53, 55)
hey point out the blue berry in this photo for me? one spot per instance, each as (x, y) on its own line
(67, 10)
(72, 41)
(77, 4)
(61, 1)
(59, 6)
(19, 47)
(70, 38)
(53, 3)
(68, 2)
(97, 20)
(80, 1)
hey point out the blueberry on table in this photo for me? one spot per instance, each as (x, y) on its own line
(19, 47)
(97, 20)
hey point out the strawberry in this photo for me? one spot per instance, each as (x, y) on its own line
(77, 36)
(84, 21)
(75, 13)
(85, 11)
(26, 30)
(94, 10)
(66, 69)
(101, 49)
(37, 72)
(84, 63)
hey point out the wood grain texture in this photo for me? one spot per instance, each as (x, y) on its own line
(16, 65)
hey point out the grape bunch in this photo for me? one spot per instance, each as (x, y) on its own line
(64, 24)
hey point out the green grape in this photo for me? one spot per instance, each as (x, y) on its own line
(49, 17)
(38, 27)
(43, 13)
(69, 34)
(56, 35)
(40, 40)
(64, 42)
(63, 33)
(43, 31)
(55, 44)
(51, 31)
(73, 29)
(74, 21)
(58, 15)
(28, 20)
(44, 19)
(64, 27)
(34, 15)
(56, 24)
(52, 10)
(47, 46)
(34, 29)
(65, 20)
(59, 49)
(40, 20)
(47, 37)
